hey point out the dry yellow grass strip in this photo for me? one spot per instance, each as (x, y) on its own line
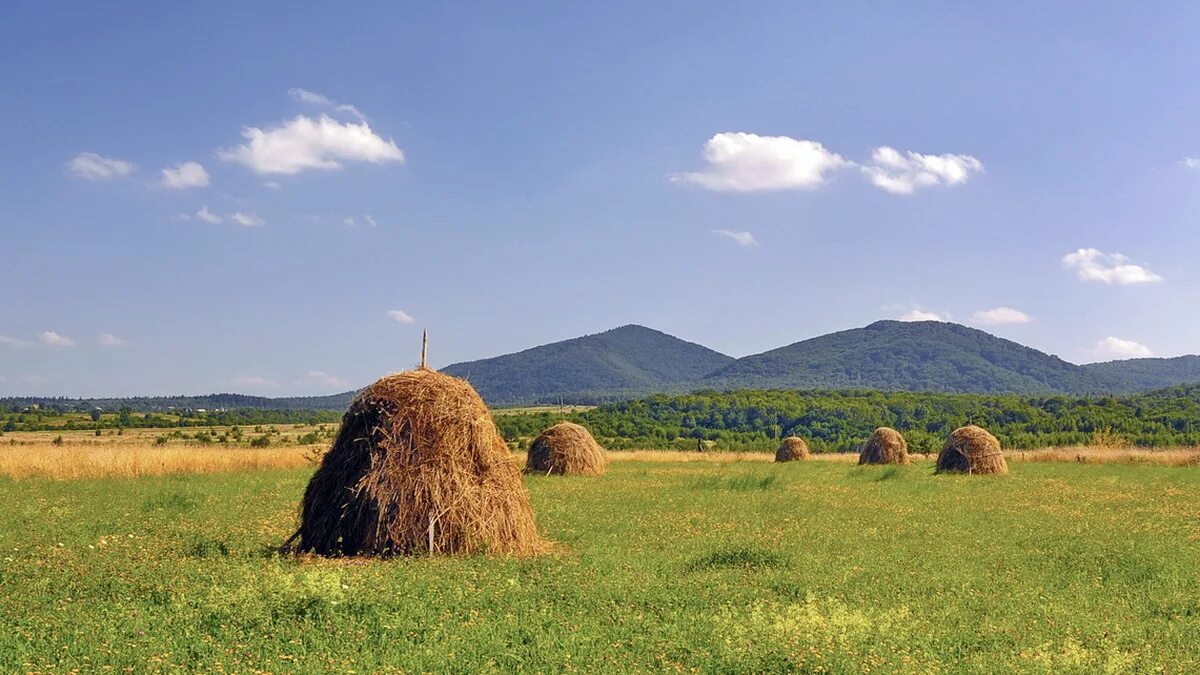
(80, 460)
(1093, 455)
(76, 461)
(719, 457)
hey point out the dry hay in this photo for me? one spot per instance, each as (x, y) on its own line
(886, 446)
(418, 466)
(566, 449)
(972, 449)
(793, 448)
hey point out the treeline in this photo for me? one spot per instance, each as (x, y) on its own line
(24, 419)
(835, 421)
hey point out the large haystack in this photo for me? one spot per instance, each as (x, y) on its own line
(972, 449)
(418, 467)
(793, 448)
(886, 446)
(566, 449)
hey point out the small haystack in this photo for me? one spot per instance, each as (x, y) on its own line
(886, 446)
(417, 467)
(566, 449)
(972, 449)
(792, 449)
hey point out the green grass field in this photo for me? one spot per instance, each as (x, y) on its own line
(662, 566)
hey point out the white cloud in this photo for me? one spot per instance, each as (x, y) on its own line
(741, 237)
(1116, 347)
(254, 382)
(400, 315)
(905, 174)
(110, 340)
(55, 340)
(1191, 162)
(184, 176)
(1000, 316)
(247, 219)
(327, 379)
(348, 220)
(208, 216)
(742, 162)
(1111, 268)
(12, 342)
(274, 185)
(314, 98)
(370, 220)
(305, 143)
(91, 166)
(922, 315)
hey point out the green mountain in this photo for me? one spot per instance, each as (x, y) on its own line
(617, 363)
(1133, 375)
(910, 356)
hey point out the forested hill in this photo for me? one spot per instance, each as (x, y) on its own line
(908, 356)
(1144, 374)
(614, 364)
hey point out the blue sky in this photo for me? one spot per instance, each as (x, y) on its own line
(511, 174)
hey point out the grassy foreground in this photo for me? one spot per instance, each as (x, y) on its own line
(662, 566)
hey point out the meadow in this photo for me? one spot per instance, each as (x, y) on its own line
(720, 563)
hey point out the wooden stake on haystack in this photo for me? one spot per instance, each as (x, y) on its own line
(424, 347)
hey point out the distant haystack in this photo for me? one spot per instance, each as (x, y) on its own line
(972, 449)
(886, 446)
(566, 449)
(793, 448)
(417, 467)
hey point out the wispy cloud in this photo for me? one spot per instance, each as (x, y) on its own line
(918, 314)
(12, 342)
(1118, 348)
(905, 174)
(90, 166)
(1000, 316)
(184, 176)
(208, 216)
(247, 219)
(400, 316)
(327, 379)
(742, 237)
(56, 340)
(1191, 162)
(314, 98)
(254, 382)
(110, 340)
(304, 143)
(1110, 268)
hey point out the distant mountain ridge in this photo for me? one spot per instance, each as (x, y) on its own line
(633, 361)
(1133, 375)
(910, 356)
(628, 360)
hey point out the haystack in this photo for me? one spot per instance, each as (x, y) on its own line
(417, 467)
(886, 446)
(972, 449)
(566, 449)
(793, 448)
